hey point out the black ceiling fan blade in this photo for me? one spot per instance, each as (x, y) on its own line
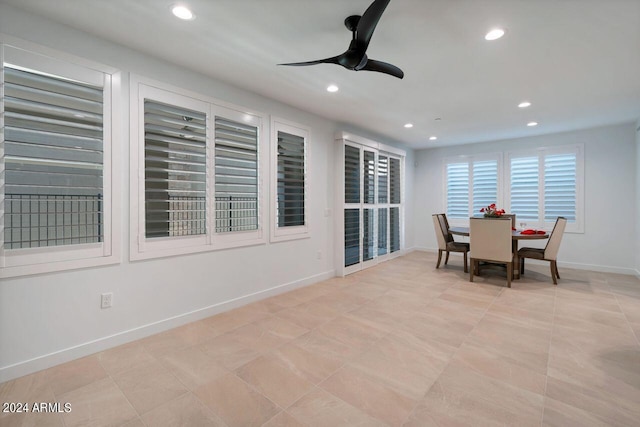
(368, 22)
(332, 60)
(383, 67)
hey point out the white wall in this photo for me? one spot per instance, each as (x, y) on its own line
(637, 217)
(52, 318)
(609, 242)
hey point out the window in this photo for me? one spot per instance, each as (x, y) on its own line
(236, 176)
(174, 171)
(546, 184)
(56, 158)
(195, 173)
(289, 182)
(471, 184)
(539, 186)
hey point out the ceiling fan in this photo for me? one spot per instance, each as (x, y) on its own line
(355, 58)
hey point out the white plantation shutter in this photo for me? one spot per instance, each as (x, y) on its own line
(236, 176)
(546, 184)
(485, 184)
(458, 190)
(175, 170)
(394, 181)
(525, 188)
(351, 174)
(291, 180)
(53, 158)
(560, 187)
(369, 167)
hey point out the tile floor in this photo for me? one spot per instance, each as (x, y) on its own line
(398, 344)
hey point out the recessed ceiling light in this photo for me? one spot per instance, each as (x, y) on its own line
(494, 34)
(332, 88)
(182, 12)
(408, 125)
(524, 104)
(531, 124)
(433, 138)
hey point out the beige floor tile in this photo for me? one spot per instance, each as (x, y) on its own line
(283, 419)
(235, 402)
(615, 409)
(136, 422)
(124, 357)
(230, 320)
(630, 307)
(322, 409)
(367, 290)
(351, 332)
(309, 315)
(341, 301)
(524, 346)
(193, 367)
(165, 342)
(32, 419)
(263, 337)
(612, 372)
(275, 380)
(370, 396)
(401, 367)
(558, 414)
(185, 411)
(487, 362)
(28, 389)
(195, 332)
(70, 376)
(461, 396)
(100, 403)
(229, 351)
(313, 366)
(149, 387)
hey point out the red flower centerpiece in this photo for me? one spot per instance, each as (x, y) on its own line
(492, 212)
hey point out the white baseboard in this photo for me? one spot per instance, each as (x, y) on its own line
(27, 367)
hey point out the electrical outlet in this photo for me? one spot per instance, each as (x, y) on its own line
(319, 255)
(106, 300)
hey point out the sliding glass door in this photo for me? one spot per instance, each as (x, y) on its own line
(372, 206)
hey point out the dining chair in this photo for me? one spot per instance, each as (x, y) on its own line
(550, 251)
(512, 217)
(446, 242)
(490, 241)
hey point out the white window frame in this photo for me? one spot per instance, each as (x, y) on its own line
(27, 261)
(279, 234)
(142, 247)
(541, 152)
(470, 159)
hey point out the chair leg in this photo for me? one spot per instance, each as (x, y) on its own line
(466, 270)
(556, 264)
(521, 265)
(472, 269)
(446, 260)
(439, 258)
(554, 270)
(509, 273)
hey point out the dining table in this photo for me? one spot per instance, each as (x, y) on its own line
(516, 236)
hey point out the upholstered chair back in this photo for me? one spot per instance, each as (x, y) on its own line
(490, 239)
(512, 217)
(553, 245)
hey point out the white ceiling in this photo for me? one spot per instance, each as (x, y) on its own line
(577, 61)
